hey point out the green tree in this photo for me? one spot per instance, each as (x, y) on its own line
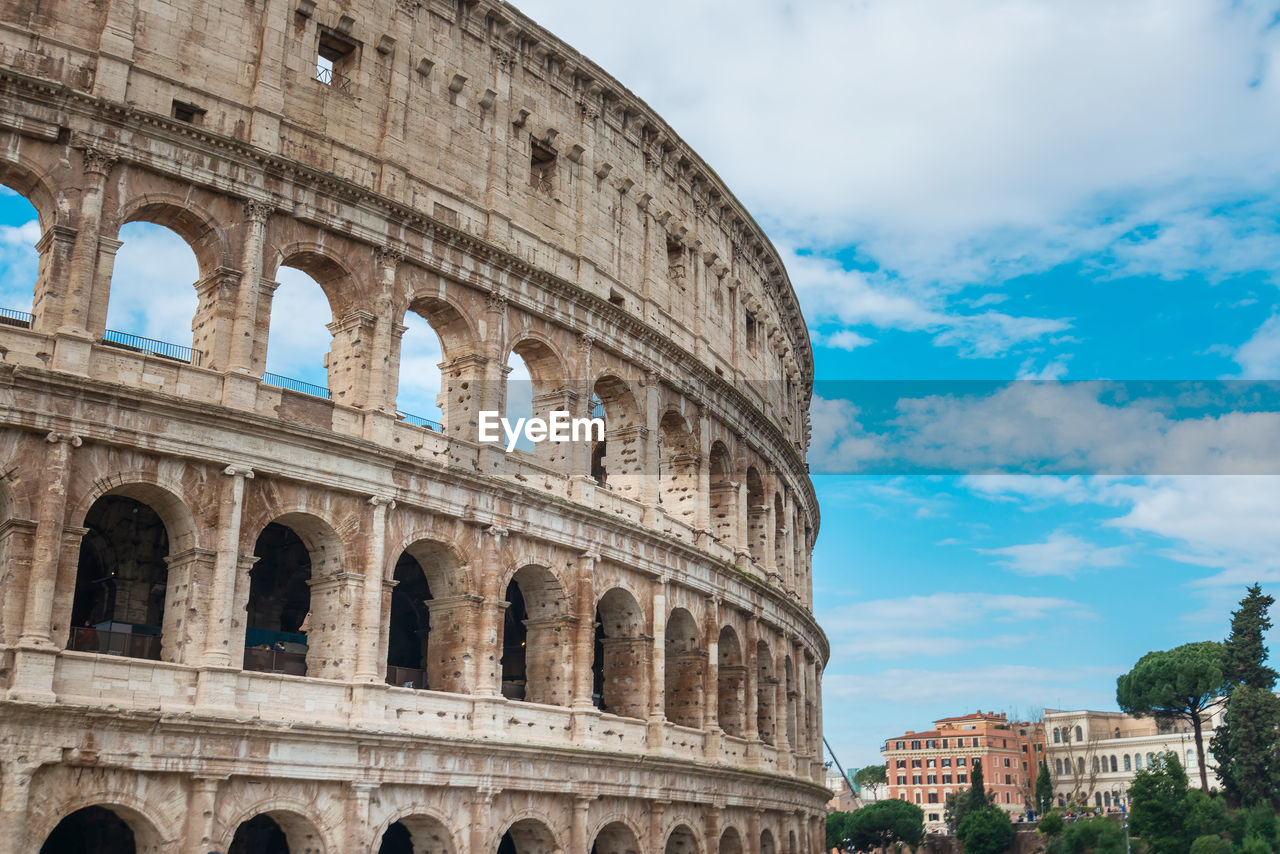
(871, 777)
(1155, 803)
(1100, 835)
(883, 823)
(1203, 815)
(838, 830)
(1052, 824)
(1245, 744)
(977, 788)
(1044, 789)
(1183, 683)
(1210, 845)
(986, 831)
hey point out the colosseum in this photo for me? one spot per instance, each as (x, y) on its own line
(244, 614)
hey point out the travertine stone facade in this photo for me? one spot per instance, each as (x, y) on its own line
(234, 616)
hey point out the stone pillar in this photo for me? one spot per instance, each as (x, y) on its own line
(185, 628)
(649, 484)
(770, 562)
(481, 819)
(244, 328)
(752, 842)
(349, 358)
(751, 729)
(356, 820)
(488, 645)
(370, 664)
(84, 259)
(578, 458)
(789, 549)
(57, 248)
(657, 844)
(584, 645)
(383, 378)
(462, 395)
(742, 544)
(51, 510)
(702, 521)
(213, 324)
(781, 706)
(711, 828)
(658, 677)
(578, 840)
(711, 673)
(452, 647)
(549, 660)
(335, 606)
(201, 813)
(15, 796)
(218, 649)
(627, 666)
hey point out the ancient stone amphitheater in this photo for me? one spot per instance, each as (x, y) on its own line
(242, 614)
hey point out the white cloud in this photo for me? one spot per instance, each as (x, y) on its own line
(1259, 357)
(1060, 554)
(152, 284)
(845, 339)
(18, 264)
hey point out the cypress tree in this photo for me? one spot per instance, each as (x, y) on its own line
(1245, 743)
(1044, 789)
(977, 794)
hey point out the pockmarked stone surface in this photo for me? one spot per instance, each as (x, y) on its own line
(243, 614)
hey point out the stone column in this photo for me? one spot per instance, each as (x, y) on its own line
(751, 729)
(742, 542)
(584, 645)
(650, 485)
(657, 677)
(578, 840)
(488, 645)
(711, 680)
(657, 809)
(201, 814)
(212, 326)
(383, 378)
(578, 458)
(770, 562)
(702, 521)
(462, 394)
(350, 355)
(481, 809)
(752, 842)
(452, 648)
(244, 328)
(335, 605)
(15, 797)
(84, 259)
(218, 650)
(51, 510)
(57, 249)
(185, 629)
(711, 828)
(781, 706)
(549, 660)
(370, 665)
(356, 820)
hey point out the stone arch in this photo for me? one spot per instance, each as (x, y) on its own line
(545, 390)
(296, 594)
(766, 842)
(133, 569)
(301, 831)
(766, 693)
(51, 248)
(143, 825)
(616, 837)
(620, 665)
(757, 515)
(29, 180)
(723, 495)
(451, 323)
(428, 833)
(616, 461)
(682, 840)
(730, 841)
(528, 835)
(434, 348)
(545, 361)
(732, 679)
(192, 222)
(684, 664)
(536, 642)
(422, 651)
(678, 461)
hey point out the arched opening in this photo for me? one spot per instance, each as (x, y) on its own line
(780, 562)
(757, 516)
(421, 360)
(724, 496)
(528, 836)
(409, 630)
(730, 842)
(620, 667)
(259, 835)
(535, 641)
(20, 261)
(732, 678)
(616, 461)
(299, 353)
(416, 834)
(791, 842)
(766, 691)
(91, 830)
(121, 580)
(153, 302)
(766, 842)
(681, 841)
(615, 838)
(677, 468)
(280, 631)
(534, 388)
(793, 696)
(684, 663)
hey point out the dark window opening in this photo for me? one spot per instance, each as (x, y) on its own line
(397, 840)
(542, 167)
(259, 835)
(409, 629)
(335, 60)
(514, 638)
(279, 604)
(617, 298)
(92, 830)
(751, 331)
(188, 113)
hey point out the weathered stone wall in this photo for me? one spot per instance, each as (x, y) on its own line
(466, 166)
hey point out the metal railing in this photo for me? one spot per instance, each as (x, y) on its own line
(406, 677)
(597, 410)
(275, 661)
(295, 385)
(127, 644)
(329, 77)
(139, 344)
(13, 317)
(419, 421)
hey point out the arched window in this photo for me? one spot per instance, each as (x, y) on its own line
(1106, 799)
(279, 603)
(1057, 736)
(110, 834)
(1057, 765)
(683, 668)
(1151, 760)
(1191, 758)
(1079, 734)
(1095, 765)
(766, 691)
(152, 303)
(1113, 763)
(19, 261)
(731, 675)
(416, 659)
(1097, 799)
(534, 661)
(298, 344)
(1128, 764)
(620, 668)
(418, 381)
(1080, 765)
(1137, 761)
(757, 530)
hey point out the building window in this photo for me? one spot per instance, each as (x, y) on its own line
(1057, 765)
(335, 60)
(542, 167)
(933, 816)
(189, 113)
(902, 763)
(1006, 797)
(1114, 766)
(915, 763)
(1008, 779)
(1079, 734)
(1137, 761)
(944, 742)
(751, 347)
(946, 778)
(1080, 765)
(1097, 798)
(960, 762)
(1095, 765)
(932, 763)
(1128, 765)
(1006, 762)
(917, 797)
(902, 779)
(898, 745)
(962, 778)
(933, 797)
(933, 779)
(946, 763)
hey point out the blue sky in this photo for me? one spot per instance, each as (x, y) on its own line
(981, 190)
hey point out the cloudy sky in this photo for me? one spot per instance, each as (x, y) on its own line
(980, 203)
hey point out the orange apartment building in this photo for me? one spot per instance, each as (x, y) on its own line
(924, 767)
